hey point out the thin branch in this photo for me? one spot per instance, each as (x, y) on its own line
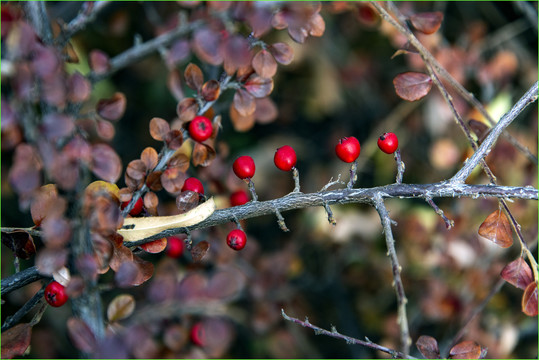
(347, 196)
(20, 279)
(25, 309)
(38, 17)
(448, 223)
(349, 340)
(140, 51)
(32, 231)
(529, 97)
(88, 13)
(406, 341)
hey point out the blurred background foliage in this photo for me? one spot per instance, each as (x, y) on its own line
(339, 85)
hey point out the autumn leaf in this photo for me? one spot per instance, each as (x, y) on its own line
(121, 307)
(81, 335)
(497, 229)
(16, 340)
(193, 76)
(199, 250)
(427, 22)
(529, 300)
(412, 86)
(465, 350)
(518, 273)
(428, 347)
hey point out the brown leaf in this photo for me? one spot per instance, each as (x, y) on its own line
(258, 86)
(497, 229)
(465, 350)
(244, 103)
(179, 51)
(42, 203)
(25, 175)
(174, 139)
(206, 45)
(153, 180)
(266, 110)
(16, 340)
(149, 157)
(199, 250)
(241, 123)
(126, 274)
(99, 62)
(236, 53)
(264, 64)
(159, 128)
(203, 154)
(145, 270)
(136, 169)
(78, 88)
(211, 90)
(193, 77)
(155, 247)
(226, 284)
(112, 108)
(56, 231)
(518, 273)
(282, 52)
(50, 260)
(529, 300)
(187, 109)
(20, 242)
(412, 86)
(172, 180)
(150, 200)
(317, 25)
(103, 250)
(187, 200)
(56, 126)
(105, 130)
(179, 161)
(81, 335)
(428, 347)
(44, 61)
(106, 164)
(427, 22)
(121, 307)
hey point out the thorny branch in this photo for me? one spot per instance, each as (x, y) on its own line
(349, 340)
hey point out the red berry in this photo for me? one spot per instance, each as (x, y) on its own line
(193, 184)
(236, 239)
(285, 158)
(198, 335)
(174, 247)
(137, 209)
(200, 128)
(244, 167)
(348, 149)
(239, 197)
(388, 142)
(55, 294)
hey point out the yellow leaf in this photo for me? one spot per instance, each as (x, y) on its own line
(140, 228)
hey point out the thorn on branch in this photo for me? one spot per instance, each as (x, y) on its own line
(448, 223)
(400, 166)
(331, 219)
(331, 183)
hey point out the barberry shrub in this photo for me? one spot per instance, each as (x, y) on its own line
(121, 124)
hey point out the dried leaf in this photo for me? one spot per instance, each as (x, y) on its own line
(25, 175)
(155, 247)
(193, 77)
(56, 231)
(187, 200)
(282, 52)
(529, 300)
(105, 130)
(427, 22)
(412, 86)
(16, 340)
(241, 123)
(150, 200)
(211, 90)
(20, 242)
(121, 307)
(140, 228)
(112, 108)
(179, 161)
(145, 270)
(106, 164)
(99, 62)
(136, 169)
(179, 51)
(126, 274)
(44, 61)
(428, 347)
(497, 229)
(103, 250)
(159, 128)
(465, 350)
(206, 45)
(174, 139)
(78, 88)
(236, 53)
(149, 157)
(258, 86)
(244, 103)
(50, 260)
(264, 64)
(317, 25)
(203, 154)
(266, 110)
(45, 203)
(153, 180)
(81, 335)
(226, 284)
(187, 109)
(56, 126)
(172, 179)
(518, 273)
(199, 250)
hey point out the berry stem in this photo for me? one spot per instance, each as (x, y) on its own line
(400, 166)
(353, 175)
(252, 189)
(295, 174)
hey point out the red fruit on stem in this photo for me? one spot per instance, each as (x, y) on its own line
(137, 209)
(236, 239)
(244, 167)
(388, 142)
(55, 294)
(174, 247)
(200, 128)
(193, 184)
(285, 158)
(348, 149)
(198, 335)
(239, 197)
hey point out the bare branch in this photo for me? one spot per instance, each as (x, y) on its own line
(30, 304)
(20, 279)
(88, 13)
(38, 17)
(406, 341)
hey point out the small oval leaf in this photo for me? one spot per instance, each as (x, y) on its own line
(428, 347)
(81, 335)
(121, 307)
(112, 108)
(159, 128)
(529, 300)
(264, 64)
(497, 229)
(199, 250)
(412, 86)
(427, 22)
(518, 273)
(193, 76)
(465, 350)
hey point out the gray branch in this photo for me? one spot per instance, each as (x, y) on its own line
(20, 279)
(488, 142)
(37, 16)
